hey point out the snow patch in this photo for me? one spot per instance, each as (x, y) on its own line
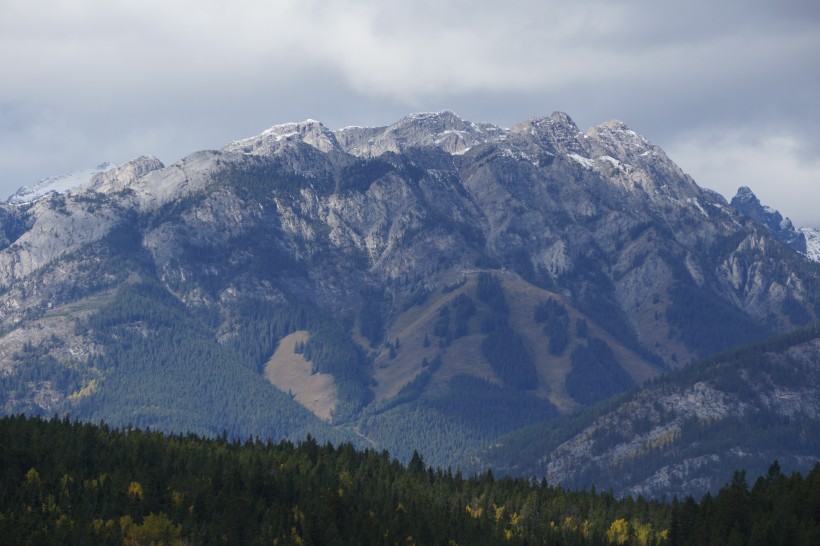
(697, 204)
(611, 160)
(519, 155)
(584, 161)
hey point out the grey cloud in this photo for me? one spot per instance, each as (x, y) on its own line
(93, 81)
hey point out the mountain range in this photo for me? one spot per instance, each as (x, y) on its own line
(432, 285)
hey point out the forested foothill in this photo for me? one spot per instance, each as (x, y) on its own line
(67, 482)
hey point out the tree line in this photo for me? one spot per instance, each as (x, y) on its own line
(64, 482)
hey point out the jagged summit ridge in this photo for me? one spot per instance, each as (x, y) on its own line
(443, 129)
(611, 148)
(748, 204)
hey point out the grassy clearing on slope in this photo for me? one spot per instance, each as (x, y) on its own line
(290, 372)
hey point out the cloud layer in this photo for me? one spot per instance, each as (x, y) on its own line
(716, 84)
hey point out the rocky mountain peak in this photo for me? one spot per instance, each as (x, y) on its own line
(443, 129)
(563, 119)
(310, 131)
(122, 176)
(555, 134)
(745, 196)
(615, 134)
(436, 120)
(613, 151)
(748, 204)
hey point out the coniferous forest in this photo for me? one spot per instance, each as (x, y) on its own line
(67, 482)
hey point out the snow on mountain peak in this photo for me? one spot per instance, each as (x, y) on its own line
(435, 124)
(444, 129)
(310, 132)
(422, 116)
(57, 184)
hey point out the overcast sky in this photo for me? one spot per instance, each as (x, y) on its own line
(730, 89)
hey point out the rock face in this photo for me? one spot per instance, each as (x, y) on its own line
(812, 236)
(381, 228)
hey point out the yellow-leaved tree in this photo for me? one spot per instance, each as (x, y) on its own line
(618, 532)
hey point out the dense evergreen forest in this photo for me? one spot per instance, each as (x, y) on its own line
(76, 483)
(596, 374)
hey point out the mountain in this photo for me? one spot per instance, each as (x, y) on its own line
(432, 284)
(687, 432)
